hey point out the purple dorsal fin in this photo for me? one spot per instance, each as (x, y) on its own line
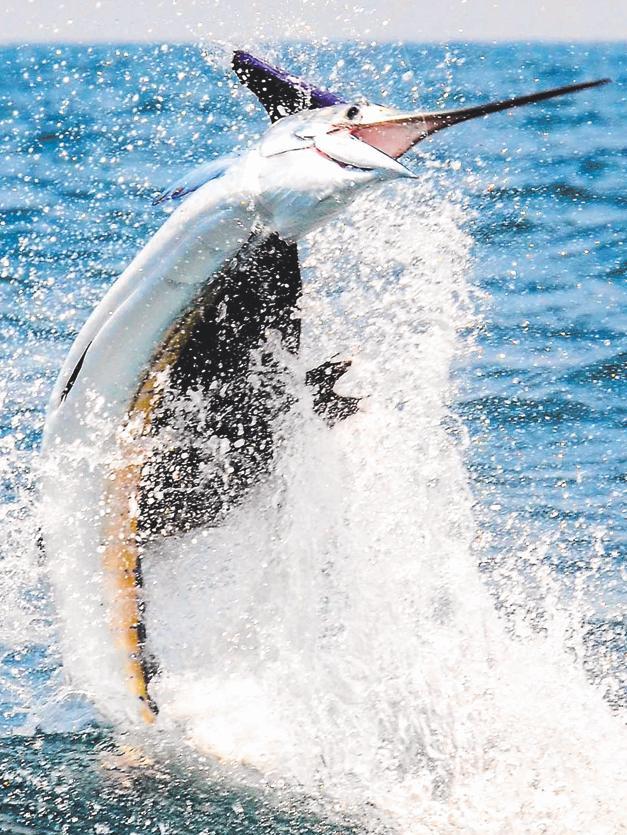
(279, 92)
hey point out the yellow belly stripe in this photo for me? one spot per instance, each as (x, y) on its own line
(122, 549)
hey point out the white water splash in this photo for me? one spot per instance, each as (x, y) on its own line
(335, 634)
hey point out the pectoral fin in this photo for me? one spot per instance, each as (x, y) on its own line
(326, 403)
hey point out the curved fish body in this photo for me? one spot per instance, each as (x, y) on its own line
(97, 417)
(199, 312)
(106, 403)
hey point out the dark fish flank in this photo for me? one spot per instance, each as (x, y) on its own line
(213, 428)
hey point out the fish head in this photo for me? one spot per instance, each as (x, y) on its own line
(355, 137)
(316, 161)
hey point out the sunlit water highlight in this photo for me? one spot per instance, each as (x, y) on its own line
(413, 625)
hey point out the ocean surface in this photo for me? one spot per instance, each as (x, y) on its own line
(451, 655)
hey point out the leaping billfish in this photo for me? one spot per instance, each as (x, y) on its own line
(199, 313)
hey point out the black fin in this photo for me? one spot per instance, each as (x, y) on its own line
(279, 92)
(329, 405)
(74, 375)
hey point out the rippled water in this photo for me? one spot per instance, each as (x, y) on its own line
(493, 298)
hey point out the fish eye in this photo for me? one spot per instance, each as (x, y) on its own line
(352, 111)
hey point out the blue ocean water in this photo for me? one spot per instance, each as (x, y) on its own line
(90, 134)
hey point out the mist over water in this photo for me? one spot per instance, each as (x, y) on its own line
(415, 625)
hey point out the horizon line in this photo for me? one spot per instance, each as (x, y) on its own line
(324, 41)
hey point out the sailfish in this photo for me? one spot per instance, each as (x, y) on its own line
(206, 313)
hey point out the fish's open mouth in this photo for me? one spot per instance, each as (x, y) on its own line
(393, 137)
